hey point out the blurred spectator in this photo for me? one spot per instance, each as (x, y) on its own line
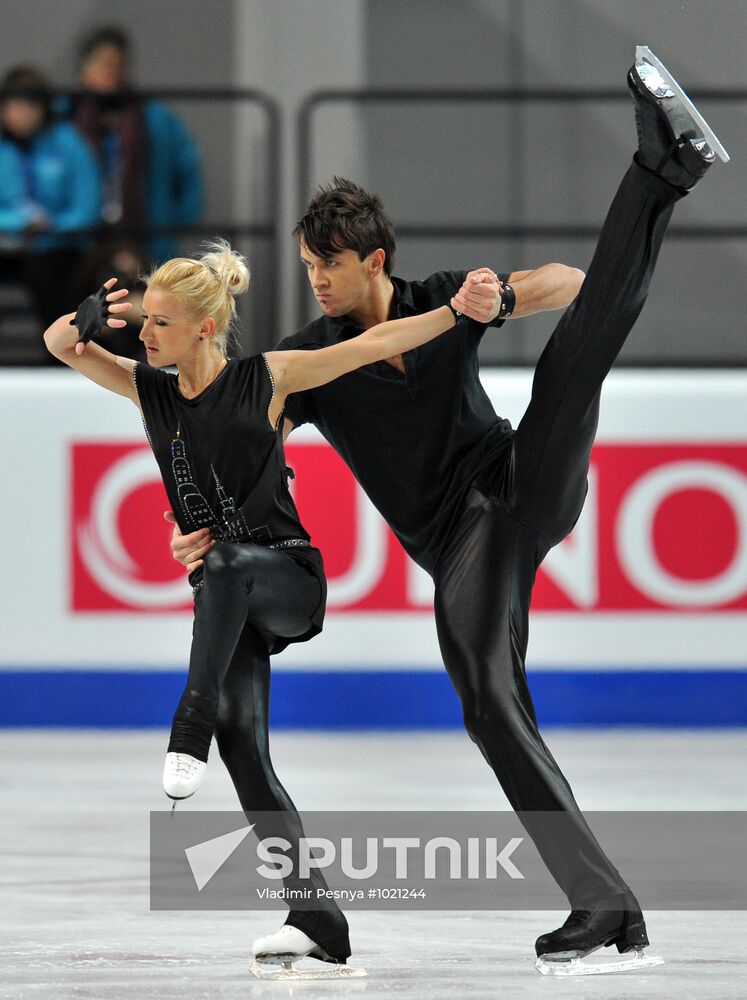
(123, 260)
(149, 164)
(49, 187)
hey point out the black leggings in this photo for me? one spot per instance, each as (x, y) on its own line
(517, 511)
(243, 584)
(248, 592)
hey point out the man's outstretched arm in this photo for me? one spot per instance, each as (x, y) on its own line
(552, 286)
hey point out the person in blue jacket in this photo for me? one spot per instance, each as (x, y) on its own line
(149, 164)
(49, 190)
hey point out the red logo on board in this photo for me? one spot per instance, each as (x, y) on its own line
(664, 528)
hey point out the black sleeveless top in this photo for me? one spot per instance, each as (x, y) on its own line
(223, 465)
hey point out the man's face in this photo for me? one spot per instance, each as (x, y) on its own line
(341, 283)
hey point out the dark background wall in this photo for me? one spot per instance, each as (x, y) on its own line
(541, 163)
(483, 164)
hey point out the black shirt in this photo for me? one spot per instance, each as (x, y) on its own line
(414, 441)
(222, 463)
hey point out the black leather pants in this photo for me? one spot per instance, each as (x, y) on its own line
(243, 584)
(242, 736)
(248, 592)
(515, 512)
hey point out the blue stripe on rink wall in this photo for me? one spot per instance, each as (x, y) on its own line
(381, 699)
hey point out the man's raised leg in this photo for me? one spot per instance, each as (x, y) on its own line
(554, 438)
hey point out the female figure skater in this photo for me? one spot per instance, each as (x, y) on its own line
(216, 431)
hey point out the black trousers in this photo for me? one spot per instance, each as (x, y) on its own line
(516, 511)
(249, 591)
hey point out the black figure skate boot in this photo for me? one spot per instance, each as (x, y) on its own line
(674, 140)
(600, 926)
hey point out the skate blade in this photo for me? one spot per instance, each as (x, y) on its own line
(281, 968)
(644, 54)
(548, 965)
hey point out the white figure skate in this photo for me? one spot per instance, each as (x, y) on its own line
(182, 775)
(275, 954)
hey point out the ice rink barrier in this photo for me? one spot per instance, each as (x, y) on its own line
(639, 617)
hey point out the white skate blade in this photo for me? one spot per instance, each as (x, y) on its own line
(644, 54)
(280, 967)
(548, 965)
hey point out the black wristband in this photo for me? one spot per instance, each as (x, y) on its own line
(457, 314)
(91, 315)
(508, 301)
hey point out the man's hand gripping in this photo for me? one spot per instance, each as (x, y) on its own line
(189, 549)
(479, 298)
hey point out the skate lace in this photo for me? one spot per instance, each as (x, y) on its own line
(185, 765)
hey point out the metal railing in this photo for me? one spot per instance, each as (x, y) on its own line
(429, 231)
(269, 230)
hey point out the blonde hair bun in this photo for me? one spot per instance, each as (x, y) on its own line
(207, 285)
(229, 266)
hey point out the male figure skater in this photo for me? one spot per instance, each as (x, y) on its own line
(475, 503)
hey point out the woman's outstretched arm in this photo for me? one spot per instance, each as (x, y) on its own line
(102, 367)
(294, 371)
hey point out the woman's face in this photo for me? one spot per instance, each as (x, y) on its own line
(21, 117)
(169, 334)
(105, 70)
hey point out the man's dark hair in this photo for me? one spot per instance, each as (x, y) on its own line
(107, 34)
(27, 83)
(342, 216)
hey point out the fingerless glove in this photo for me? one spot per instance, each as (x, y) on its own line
(91, 315)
